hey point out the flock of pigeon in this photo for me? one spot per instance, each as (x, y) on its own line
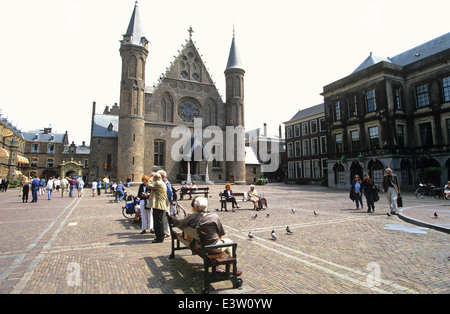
(273, 236)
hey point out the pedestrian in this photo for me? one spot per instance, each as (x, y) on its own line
(99, 186)
(356, 191)
(5, 185)
(42, 184)
(80, 186)
(57, 183)
(106, 181)
(145, 210)
(94, 188)
(34, 189)
(392, 189)
(73, 186)
(168, 203)
(157, 201)
(49, 187)
(369, 191)
(120, 191)
(25, 190)
(64, 185)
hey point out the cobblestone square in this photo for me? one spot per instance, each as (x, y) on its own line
(85, 245)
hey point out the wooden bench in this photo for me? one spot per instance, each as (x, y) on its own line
(212, 260)
(194, 192)
(240, 197)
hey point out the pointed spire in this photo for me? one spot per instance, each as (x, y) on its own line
(234, 59)
(135, 32)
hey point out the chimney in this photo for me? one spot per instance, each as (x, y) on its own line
(279, 131)
(84, 144)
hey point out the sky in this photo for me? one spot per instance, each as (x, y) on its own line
(59, 56)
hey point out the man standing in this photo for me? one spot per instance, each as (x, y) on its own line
(392, 189)
(157, 200)
(169, 201)
(34, 189)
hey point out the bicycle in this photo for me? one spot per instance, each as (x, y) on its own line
(176, 209)
(429, 190)
(128, 210)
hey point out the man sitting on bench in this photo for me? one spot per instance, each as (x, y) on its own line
(209, 223)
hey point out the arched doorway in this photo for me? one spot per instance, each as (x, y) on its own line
(72, 168)
(356, 169)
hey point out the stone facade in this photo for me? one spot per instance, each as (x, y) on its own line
(144, 136)
(391, 113)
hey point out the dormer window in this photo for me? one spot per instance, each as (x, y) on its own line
(110, 127)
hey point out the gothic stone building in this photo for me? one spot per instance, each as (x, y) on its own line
(135, 138)
(391, 112)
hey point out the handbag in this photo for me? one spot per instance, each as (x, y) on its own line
(399, 201)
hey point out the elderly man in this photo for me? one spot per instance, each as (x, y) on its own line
(157, 200)
(392, 189)
(169, 201)
(208, 222)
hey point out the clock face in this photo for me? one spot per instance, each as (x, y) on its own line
(188, 110)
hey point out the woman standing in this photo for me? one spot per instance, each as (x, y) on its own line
(369, 191)
(146, 211)
(356, 190)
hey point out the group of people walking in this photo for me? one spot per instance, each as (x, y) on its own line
(40, 186)
(367, 187)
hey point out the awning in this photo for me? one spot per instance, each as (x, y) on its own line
(4, 153)
(22, 160)
(7, 133)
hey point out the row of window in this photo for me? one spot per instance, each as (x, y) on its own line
(35, 148)
(425, 139)
(307, 147)
(305, 128)
(355, 142)
(422, 95)
(50, 162)
(307, 169)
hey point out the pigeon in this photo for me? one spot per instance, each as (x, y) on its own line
(293, 211)
(288, 230)
(250, 235)
(315, 214)
(268, 215)
(254, 217)
(436, 215)
(272, 234)
(389, 215)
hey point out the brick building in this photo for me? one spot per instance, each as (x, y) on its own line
(135, 137)
(306, 146)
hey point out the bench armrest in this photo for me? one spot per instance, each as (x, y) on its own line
(218, 246)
